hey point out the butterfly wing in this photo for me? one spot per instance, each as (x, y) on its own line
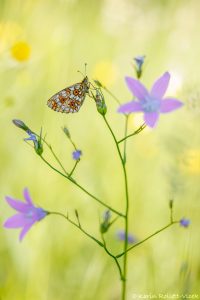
(70, 99)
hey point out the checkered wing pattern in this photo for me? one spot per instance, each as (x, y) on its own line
(70, 99)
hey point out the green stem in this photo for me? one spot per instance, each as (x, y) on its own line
(115, 259)
(147, 238)
(53, 153)
(134, 133)
(103, 245)
(126, 211)
(82, 188)
(78, 226)
(125, 134)
(74, 167)
(111, 94)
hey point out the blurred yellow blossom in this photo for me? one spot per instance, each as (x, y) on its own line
(21, 51)
(190, 161)
(105, 72)
(9, 31)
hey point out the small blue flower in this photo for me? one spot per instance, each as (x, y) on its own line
(184, 222)
(139, 61)
(76, 154)
(121, 237)
(37, 141)
(32, 137)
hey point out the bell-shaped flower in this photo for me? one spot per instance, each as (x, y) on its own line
(150, 103)
(27, 214)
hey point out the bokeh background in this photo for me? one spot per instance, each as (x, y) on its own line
(42, 45)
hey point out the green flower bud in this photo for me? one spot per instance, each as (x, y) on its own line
(100, 102)
(21, 125)
(104, 226)
(66, 131)
(98, 83)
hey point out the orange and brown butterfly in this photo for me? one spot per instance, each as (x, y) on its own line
(70, 99)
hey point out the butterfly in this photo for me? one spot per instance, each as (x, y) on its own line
(70, 99)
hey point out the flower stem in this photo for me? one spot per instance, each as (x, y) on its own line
(126, 211)
(53, 153)
(78, 226)
(73, 169)
(82, 188)
(147, 238)
(103, 245)
(125, 134)
(113, 256)
(111, 94)
(134, 133)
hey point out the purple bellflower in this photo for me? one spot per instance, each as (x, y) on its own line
(184, 222)
(76, 154)
(139, 60)
(121, 237)
(150, 103)
(27, 214)
(37, 141)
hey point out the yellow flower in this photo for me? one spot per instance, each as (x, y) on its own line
(105, 72)
(9, 31)
(190, 161)
(21, 51)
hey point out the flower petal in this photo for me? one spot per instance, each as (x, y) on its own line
(170, 104)
(15, 221)
(129, 107)
(160, 85)
(137, 88)
(17, 205)
(151, 118)
(24, 231)
(27, 197)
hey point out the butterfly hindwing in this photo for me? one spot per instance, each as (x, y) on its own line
(70, 99)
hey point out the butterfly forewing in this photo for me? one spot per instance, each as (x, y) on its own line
(70, 99)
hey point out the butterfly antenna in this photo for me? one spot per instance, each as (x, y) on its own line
(81, 73)
(85, 68)
(84, 75)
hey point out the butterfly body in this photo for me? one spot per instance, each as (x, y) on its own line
(70, 99)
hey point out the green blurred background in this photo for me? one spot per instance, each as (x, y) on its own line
(42, 45)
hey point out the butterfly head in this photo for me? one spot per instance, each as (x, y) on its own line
(86, 84)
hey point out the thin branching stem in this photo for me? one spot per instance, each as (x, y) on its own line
(77, 225)
(113, 256)
(147, 238)
(126, 211)
(142, 127)
(53, 153)
(112, 95)
(82, 188)
(125, 134)
(74, 167)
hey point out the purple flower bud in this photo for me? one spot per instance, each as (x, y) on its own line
(106, 221)
(184, 222)
(121, 237)
(107, 216)
(37, 141)
(139, 61)
(21, 124)
(76, 154)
